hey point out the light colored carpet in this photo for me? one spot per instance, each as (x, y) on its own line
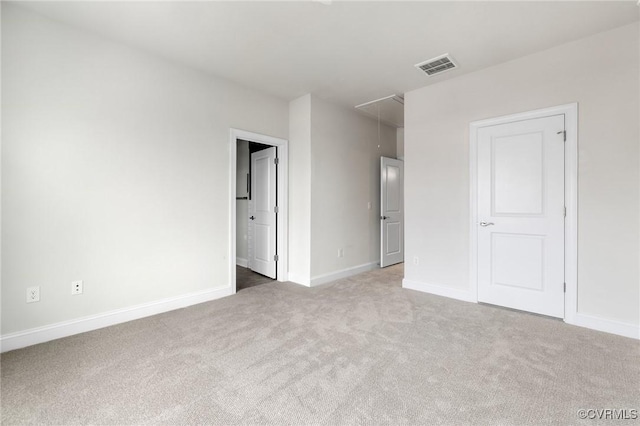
(356, 351)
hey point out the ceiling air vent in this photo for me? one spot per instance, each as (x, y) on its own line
(437, 65)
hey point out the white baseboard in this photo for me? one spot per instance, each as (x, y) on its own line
(299, 279)
(581, 320)
(343, 273)
(242, 262)
(37, 335)
(606, 325)
(439, 290)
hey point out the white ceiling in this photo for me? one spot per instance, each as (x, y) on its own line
(345, 52)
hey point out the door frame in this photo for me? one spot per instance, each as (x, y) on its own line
(570, 112)
(282, 233)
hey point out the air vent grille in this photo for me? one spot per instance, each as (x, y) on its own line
(437, 65)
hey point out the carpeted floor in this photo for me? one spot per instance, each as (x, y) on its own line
(357, 351)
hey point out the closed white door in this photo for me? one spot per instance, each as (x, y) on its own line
(391, 211)
(520, 229)
(262, 213)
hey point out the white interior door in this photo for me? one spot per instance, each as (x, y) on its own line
(520, 229)
(262, 213)
(391, 211)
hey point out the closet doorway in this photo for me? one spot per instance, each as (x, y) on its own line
(258, 213)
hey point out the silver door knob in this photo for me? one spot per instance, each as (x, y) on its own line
(486, 223)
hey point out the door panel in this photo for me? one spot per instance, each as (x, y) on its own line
(521, 215)
(394, 239)
(260, 188)
(262, 249)
(391, 211)
(518, 169)
(518, 260)
(392, 196)
(262, 215)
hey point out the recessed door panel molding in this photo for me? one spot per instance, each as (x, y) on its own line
(393, 190)
(262, 250)
(391, 211)
(394, 240)
(260, 190)
(518, 261)
(518, 186)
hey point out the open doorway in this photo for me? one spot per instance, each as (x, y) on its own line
(391, 211)
(258, 209)
(256, 213)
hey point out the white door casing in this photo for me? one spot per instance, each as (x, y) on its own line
(262, 213)
(283, 201)
(521, 214)
(391, 211)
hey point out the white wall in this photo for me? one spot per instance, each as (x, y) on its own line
(114, 171)
(400, 142)
(345, 177)
(243, 159)
(299, 190)
(601, 74)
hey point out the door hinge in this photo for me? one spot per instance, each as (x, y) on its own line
(275, 209)
(564, 288)
(275, 257)
(276, 161)
(565, 211)
(564, 135)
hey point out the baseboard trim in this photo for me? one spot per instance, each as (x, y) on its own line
(242, 262)
(581, 320)
(299, 279)
(608, 326)
(343, 273)
(47, 333)
(439, 290)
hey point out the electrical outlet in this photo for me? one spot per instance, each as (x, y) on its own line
(76, 287)
(416, 260)
(33, 294)
(340, 252)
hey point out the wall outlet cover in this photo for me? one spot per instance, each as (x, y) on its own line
(33, 294)
(76, 287)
